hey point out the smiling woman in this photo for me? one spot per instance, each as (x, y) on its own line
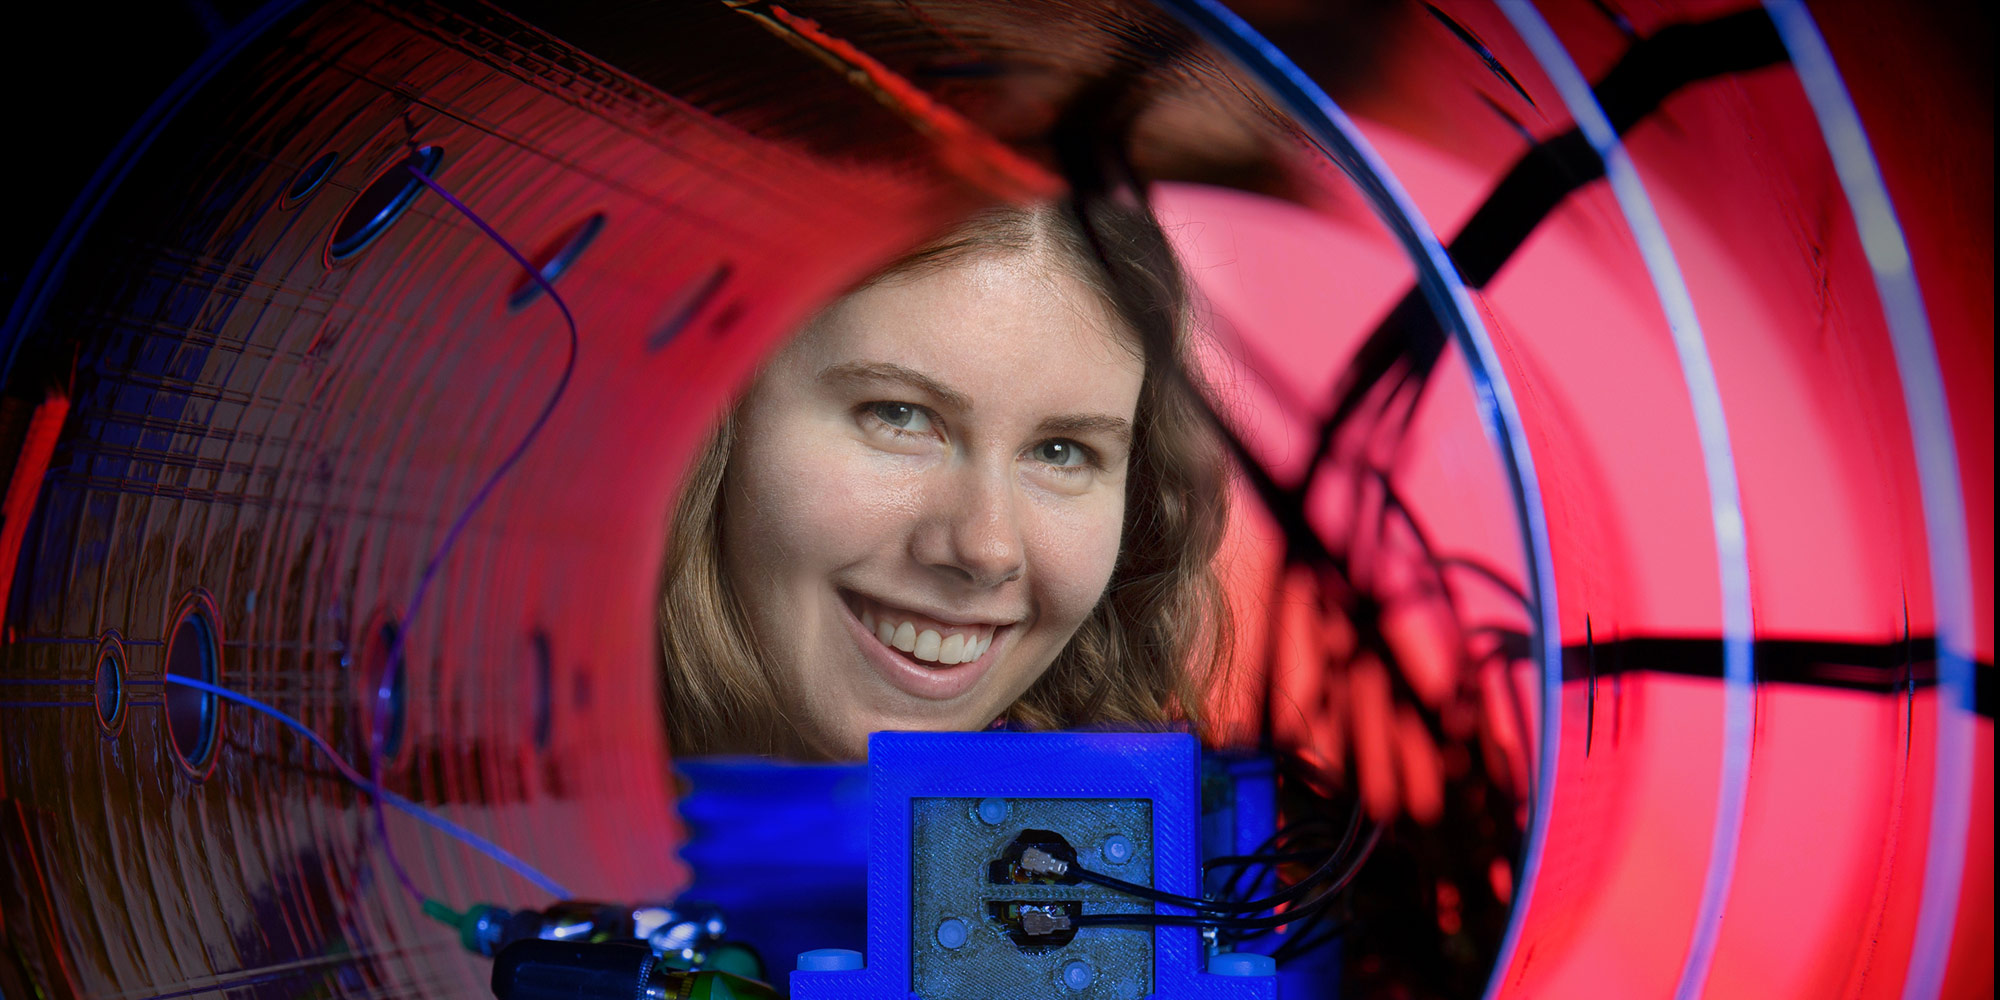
(977, 489)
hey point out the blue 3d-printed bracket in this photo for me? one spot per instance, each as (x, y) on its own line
(945, 804)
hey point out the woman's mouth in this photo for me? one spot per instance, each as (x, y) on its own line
(924, 656)
(929, 641)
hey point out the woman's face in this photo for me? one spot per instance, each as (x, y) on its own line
(926, 494)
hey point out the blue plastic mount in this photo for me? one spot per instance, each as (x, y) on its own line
(1160, 768)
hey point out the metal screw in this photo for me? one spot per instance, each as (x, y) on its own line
(1078, 975)
(993, 811)
(1116, 849)
(951, 933)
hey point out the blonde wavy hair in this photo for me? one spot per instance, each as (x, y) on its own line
(1154, 646)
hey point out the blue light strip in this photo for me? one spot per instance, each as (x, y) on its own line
(1448, 298)
(375, 789)
(1725, 499)
(1937, 475)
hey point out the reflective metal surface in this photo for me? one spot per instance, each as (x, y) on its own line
(1650, 605)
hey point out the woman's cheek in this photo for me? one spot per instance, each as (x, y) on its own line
(1078, 547)
(840, 502)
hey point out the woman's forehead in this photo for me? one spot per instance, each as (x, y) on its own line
(988, 322)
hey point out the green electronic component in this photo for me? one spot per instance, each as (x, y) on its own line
(709, 985)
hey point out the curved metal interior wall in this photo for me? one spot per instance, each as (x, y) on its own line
(231, 398)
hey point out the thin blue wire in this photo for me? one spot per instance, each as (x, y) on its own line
(385, 687)
(1452, 303)
(1936, 452)
(48, 268)
(1725, 499)
(375, 789)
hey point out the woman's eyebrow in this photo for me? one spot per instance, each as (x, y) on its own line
(1089, 423)
(855, 373)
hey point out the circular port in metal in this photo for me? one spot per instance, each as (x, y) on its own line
(383, 705)
(194, 715)
(554, 261)
(108, 683)
(309, 180)
(381, 203)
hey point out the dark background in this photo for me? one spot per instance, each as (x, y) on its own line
(82, 73)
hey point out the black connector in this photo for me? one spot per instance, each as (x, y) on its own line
(564, 970)
(537, 969)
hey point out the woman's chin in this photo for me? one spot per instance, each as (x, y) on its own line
(851, 743)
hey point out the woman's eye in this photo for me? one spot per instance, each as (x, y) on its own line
(902, 416)
(1063, 454)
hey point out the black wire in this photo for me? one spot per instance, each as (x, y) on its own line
(1250, 860)
(1288, 834)
(1230, 893)
(1285, 949)
(1270, 843)
(1156, 895)
(1300, 939)
(1293, 915)
(1263, 854)
(1298, 944)
(1346, 841)
(1296, 890)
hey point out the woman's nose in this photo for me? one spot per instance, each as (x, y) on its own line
(972, 531)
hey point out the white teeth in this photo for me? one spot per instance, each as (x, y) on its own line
(928, 645)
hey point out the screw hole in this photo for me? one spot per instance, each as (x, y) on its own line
(109, 684)
(385, 711)
(194, 717)
(544, 681)
(381, 203)
(688, 305)
(553, 262)
(309, 180)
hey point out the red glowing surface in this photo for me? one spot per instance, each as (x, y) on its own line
(303, 434)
